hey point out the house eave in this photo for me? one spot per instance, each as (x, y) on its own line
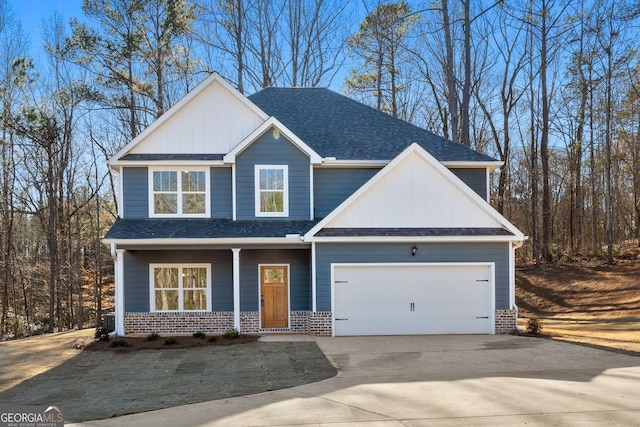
(146, 163)
(239, 241)
(413, 239)
(330, 162)
(455, 164)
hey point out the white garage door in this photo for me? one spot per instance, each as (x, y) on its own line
(408, 299)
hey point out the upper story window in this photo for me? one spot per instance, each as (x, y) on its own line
(272, 190)
(179, 193)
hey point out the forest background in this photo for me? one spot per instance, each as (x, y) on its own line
(549, 87)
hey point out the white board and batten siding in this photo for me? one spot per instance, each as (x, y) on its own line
(413, 298)
(213, 122)
(412, 195)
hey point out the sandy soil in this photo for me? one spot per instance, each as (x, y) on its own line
(28, 357)
(595, 304)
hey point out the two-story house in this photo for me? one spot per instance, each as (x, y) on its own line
(301, 210)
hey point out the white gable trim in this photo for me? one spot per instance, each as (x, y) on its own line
(213, 77)
(230, 157)
(414, 148)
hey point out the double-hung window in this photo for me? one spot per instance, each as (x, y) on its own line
(272, 190)
(177, 287)
(179, 193)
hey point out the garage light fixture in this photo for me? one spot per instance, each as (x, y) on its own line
(414, 250)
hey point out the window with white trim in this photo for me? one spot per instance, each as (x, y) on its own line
(179, 193)
(184, 287)
(272, 190)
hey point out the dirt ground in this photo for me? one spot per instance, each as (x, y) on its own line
(592, 303)
(25, 358)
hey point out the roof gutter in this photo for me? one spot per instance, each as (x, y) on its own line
(289, 239)
(408, 239)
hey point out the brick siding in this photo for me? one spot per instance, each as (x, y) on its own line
(301, 322)
(506, 321)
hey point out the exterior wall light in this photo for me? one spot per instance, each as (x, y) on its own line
(414, 250)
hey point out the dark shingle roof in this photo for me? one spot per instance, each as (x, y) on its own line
(161, 228)
(337, 126)
(409, 232)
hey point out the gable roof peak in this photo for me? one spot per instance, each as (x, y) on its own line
(214, 78)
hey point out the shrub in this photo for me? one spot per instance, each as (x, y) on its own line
(170, 341)
(199, 334)
(231, 334)
(534, 325)
(102, 334)
(153, 336)
(212, 339)
(120, 342)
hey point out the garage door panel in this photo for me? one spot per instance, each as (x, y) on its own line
(412, 299)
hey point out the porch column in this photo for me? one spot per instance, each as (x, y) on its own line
(119, 291)
(236, 288)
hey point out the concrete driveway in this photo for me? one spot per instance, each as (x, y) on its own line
(437, 381)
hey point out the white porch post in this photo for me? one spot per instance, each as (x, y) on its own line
(119, 267)
(236, 288)
(314, 307)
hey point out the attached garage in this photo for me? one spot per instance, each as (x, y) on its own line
(413, 298)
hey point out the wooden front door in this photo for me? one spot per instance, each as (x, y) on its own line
(274, 296)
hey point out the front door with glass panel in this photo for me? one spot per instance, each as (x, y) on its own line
(274, 296)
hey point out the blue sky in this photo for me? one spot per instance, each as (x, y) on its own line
(31, 13)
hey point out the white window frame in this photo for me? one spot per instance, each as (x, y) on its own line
(179, 214)
(285, 201)
(180, 267)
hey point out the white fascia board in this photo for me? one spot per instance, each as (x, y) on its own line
(230, 157)
(178, 163)
(412, 239)
(455, 164)
(213, 77)
(329, 162)
(120, 192)
(294, 239)
(439, 167)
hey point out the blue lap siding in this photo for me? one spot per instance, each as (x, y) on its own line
(135, 186)
(476, 179)
(136, 276)
(332, 186)
(221, 194)
(299, 261)
(135, 194)
(268, 150)
(328, 253)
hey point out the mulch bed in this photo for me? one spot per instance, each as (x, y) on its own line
(129, 344)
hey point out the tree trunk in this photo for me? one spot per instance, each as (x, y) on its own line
(450, 72)
(608, 198)
(466, 88)
(544, 140)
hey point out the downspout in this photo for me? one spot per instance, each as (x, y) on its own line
(515, 245)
